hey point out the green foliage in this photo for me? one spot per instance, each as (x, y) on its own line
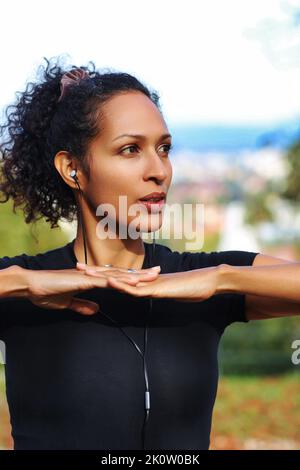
(260, 347)
(292, 186)
(17, 237)
(257, 208)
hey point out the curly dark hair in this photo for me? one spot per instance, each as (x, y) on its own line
(38, 126)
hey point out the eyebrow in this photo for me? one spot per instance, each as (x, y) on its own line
(139, 136)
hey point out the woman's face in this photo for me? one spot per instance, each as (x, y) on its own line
(133, 165)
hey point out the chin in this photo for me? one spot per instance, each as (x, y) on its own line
(149, 224)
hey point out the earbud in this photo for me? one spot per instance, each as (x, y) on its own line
(73, 174)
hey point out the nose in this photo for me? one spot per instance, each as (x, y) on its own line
(157, 167)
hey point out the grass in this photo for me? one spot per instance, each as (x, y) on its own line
(264, 411)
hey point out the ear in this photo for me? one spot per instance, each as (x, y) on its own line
(64, 164)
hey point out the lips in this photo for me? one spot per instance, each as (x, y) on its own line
(153, 202)
(154, 197)
(153, 205)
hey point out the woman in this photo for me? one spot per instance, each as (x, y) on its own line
(76, 140)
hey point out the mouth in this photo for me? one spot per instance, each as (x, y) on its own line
(153, 204)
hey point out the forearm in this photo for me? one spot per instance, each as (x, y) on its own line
(279, 281)
(14, 282)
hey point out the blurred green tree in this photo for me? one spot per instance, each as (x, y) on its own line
(291, 189)
(17, 237)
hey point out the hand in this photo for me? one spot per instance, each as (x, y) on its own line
(55, 289)
(187, 286)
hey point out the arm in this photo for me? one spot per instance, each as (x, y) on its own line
(14, 282)
(55, 289)
(271, 285)
(270, 290)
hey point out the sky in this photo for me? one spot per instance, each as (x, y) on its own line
(211, 61)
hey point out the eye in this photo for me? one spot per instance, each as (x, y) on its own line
(168, 147)
(129, 147)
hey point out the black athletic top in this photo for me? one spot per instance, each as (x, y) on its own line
(77, 382)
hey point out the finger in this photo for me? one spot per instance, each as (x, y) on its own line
(132, 290)
(125, 280)
(141, 284)
(131, 278)
(148, 276)
(85, 307)
(83, 267)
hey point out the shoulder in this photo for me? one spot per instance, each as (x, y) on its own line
(174, 261)
(57, 258)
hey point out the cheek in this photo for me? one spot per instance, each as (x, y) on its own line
(170, 169)
(169, 173)
(108, 182)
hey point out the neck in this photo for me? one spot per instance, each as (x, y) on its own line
(122, 253)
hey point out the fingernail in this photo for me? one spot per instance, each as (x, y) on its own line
(155, 267)
(81, 265)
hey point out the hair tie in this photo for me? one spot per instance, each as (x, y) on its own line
(70, 78)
